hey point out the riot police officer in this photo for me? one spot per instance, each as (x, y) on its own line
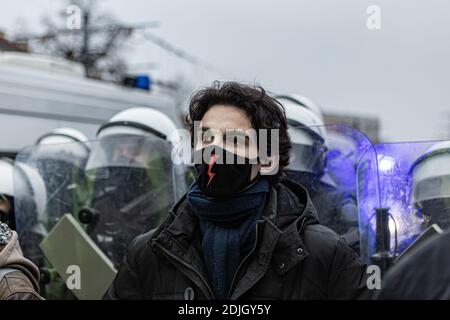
(133, 179)
(430, 175)
(60, 156)
(335, 206)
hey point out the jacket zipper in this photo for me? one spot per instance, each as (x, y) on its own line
(242, 262)
(167, 252)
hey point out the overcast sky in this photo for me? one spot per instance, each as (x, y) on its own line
(318, 48)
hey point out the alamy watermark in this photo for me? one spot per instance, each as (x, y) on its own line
(73, 281)
(74, 17)
(374, 17)
(373, 282)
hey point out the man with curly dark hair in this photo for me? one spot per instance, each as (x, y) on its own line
(242, 231)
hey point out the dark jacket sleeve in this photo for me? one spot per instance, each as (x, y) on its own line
(126, 285)
(348, 278)
(17, 286)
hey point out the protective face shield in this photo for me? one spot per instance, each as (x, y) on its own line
(132, 179)
(308, 151)
(342, 156)
(309, 139)
(335, 205)
(308, 158)
(30, 200)
(400, 196)
(146, 122)
(60, 157)
(120, 167)
(133, 186)
(64, 148)
(431, 185)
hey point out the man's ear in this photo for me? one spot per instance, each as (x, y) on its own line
(271, 167)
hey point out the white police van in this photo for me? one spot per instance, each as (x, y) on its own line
(39, 93)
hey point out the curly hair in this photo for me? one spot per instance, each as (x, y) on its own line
(263, 111)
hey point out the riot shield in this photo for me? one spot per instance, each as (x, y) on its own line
(133, 184)
(55, 172)
(125, 187)
(49, 181)
(327, 169)
(413, 197)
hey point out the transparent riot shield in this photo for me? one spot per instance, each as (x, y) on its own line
(133, 184)
(368, 199)
(49, 181)
(327, 169)
(191, 174)
(413, 198)
(124, 187)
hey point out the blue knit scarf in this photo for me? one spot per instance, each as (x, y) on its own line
(228, 229)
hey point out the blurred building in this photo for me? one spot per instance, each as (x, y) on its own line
(370, 126)
(8, 45)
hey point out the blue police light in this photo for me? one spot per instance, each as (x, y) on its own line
(143, 82)
(386, 164)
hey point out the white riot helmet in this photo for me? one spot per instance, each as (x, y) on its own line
(65, 144)
(302, 101)
(140, 121)
(309, 139)
(14, 178)
(6, 177)
(62, 135)
(30, 209)
(19, 180)
(430, 174)
(28, 182)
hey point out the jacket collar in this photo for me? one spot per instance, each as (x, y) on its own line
(279, 239)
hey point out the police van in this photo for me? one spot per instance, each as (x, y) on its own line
(40, 93)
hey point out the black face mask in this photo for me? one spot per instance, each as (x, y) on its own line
(219, 179)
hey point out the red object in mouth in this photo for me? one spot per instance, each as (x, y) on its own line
(210, 166)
